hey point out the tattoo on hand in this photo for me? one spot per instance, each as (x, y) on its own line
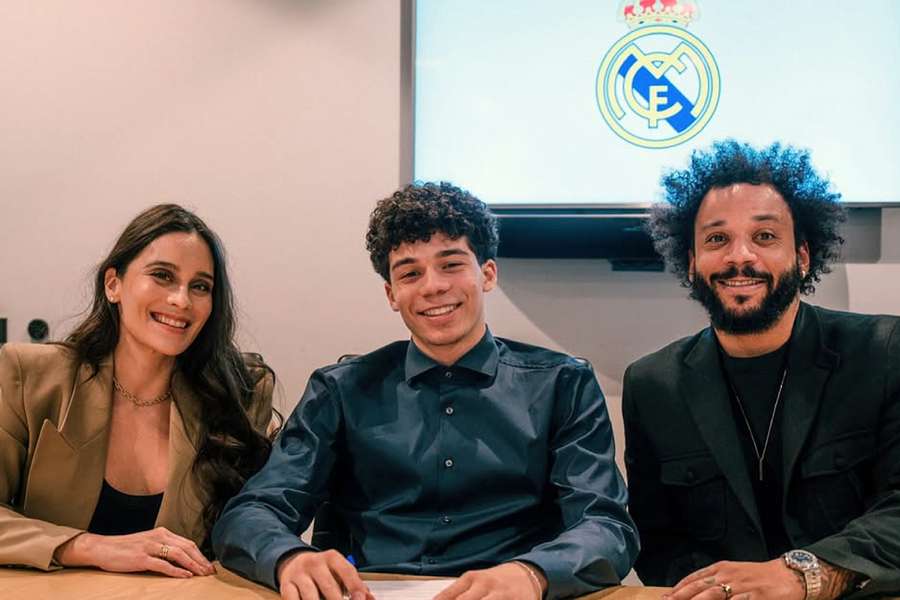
(836, 581)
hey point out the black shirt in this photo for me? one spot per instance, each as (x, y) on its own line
(755, 384)
(118, 513)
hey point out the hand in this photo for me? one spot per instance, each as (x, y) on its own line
(771, 580)
(307, 574)
(508, 581)
(157, 550)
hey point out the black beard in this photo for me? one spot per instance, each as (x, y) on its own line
(777, 299)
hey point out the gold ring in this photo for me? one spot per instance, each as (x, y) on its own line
(164, 552)
(727, 589)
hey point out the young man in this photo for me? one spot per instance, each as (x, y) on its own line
(455, 453)
(763, 453)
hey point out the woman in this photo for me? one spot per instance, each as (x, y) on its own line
(120, 446)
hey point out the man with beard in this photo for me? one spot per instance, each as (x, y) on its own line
(763, 453)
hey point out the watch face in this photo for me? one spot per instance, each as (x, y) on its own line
(801, 559)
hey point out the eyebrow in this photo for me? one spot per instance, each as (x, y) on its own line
(759, 218)
(442, 254)
(452, 252)
(174, 267)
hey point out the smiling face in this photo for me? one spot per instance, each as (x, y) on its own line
(165, 295)
(438, 288)
(746, 267)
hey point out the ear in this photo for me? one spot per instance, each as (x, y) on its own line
(112, 285)
(489, 272)
(803, 257)
(389, 291)
(691, 266)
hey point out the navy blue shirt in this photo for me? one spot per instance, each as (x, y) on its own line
(508, 454)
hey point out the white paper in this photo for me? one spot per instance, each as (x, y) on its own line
(408, 589)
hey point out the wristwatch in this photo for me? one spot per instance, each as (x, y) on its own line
(808, 565)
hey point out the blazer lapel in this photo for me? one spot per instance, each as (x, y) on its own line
(810, 363)
(182, 503)
(707, 398)
(71, 458)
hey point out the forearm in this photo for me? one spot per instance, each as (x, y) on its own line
(77, 552)
(836, 581)
(536, 576)
(251, 540)
(867, 546)
(594, 554)
(30, 542)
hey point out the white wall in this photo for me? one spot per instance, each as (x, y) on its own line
(278, 121)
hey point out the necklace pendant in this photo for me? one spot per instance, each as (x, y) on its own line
(760, 471)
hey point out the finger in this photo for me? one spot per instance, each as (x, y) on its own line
(347, 575)
(191, 549)
(696, 575)
(693, 589)
(307, 588)
(328, 586)
(159, 565)
(453, 591)
(180, 557)
(477, 592)
(713, 593)
(289, 591)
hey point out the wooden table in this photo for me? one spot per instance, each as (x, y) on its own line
(89, 584)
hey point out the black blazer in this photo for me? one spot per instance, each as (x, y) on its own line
(690, 492)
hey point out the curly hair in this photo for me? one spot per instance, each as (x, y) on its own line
(418, 211)
(814, 206)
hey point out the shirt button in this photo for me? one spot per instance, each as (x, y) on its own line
(446, 520)
(448, 374)
(448, 411)
(448, 463)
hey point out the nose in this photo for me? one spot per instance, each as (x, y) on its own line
(434, 282)
(741, 252)
(180, 297)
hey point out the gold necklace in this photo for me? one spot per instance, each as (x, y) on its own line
(167, 395)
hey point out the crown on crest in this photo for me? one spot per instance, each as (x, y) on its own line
(636, 13)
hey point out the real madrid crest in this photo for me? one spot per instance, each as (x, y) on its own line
(658, 86)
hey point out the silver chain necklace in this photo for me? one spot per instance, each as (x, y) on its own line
(760, 456)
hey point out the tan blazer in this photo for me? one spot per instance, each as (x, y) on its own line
(54, 433)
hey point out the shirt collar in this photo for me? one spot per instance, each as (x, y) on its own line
(482, 358)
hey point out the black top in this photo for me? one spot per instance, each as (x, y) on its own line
(436, 470)
(118, 513)
(689, 485)
(755, 381)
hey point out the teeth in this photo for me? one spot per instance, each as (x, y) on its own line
(171, 322)
(741, 282)
(441, 310)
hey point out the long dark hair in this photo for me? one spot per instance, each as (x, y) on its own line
(229, 448)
